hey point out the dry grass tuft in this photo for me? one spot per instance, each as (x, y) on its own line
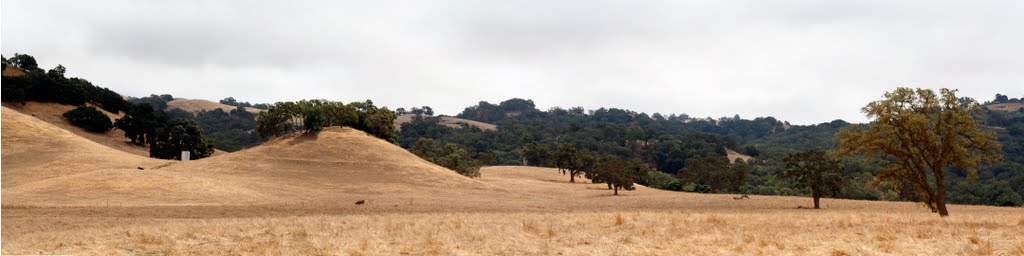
(618, 219)
(839, 253)
(715, 219)
(1017, 249)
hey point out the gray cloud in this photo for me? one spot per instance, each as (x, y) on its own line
(803, 61)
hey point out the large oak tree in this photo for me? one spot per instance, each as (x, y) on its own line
(921, 135)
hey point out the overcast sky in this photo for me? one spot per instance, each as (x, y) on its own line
(803, 61)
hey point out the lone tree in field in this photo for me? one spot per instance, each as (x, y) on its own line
(921, 135)
(616, 172)
(817, 171)
(568, 158)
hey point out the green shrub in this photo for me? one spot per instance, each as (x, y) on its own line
(89, 119)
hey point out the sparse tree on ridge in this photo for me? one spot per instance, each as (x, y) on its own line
(921, 135)
(59, 71)
(24, 61)
(816, 171)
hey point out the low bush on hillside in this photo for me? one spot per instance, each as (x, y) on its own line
(90, 119)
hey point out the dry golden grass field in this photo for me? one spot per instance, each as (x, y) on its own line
(66, 194)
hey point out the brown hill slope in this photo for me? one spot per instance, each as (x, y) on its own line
(195, 105)
(53, 113)
(36, 153)
(337, 160)
(1009, 107)
(13, 71)
(46, 165)
(733, 155)
(447, 121)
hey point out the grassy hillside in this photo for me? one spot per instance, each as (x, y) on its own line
(453, 122)
(196, 105)
(52, 113)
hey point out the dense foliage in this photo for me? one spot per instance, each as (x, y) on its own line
(180, 135)
(448, 155)
(89, 119)
(228, 131)
(53, 86)
(140, 123)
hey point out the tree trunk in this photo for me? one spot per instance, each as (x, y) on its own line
(572, 176)
(817, 205)
(940, 192)
(940, 199)
(616, 190)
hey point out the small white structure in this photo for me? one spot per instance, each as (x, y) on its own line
(186, 155)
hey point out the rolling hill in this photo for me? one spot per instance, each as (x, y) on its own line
(196, 105)
(453, 122)
(1008, 107)
(47, 165)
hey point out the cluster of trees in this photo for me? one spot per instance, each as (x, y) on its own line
(1006, 99)
(487, 112)
(54, 86)
(228, 130)
(617, 172)
(180, 135)
(232, 102)
(418, 111)
(311, 116)
(167, 137)
(158, 102)
(714, 174)
(448, 155)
